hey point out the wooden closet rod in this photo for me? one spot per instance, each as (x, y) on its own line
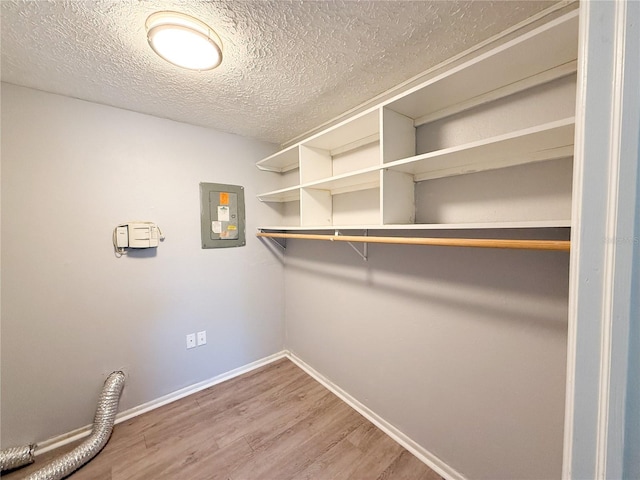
(559, 245)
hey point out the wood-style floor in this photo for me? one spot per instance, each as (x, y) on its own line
(275, 422)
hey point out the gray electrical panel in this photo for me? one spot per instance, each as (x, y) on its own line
(222, 215)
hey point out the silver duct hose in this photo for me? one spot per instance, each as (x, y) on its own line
(15, 457)
(102, 427)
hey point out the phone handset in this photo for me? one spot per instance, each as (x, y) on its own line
(136, 235)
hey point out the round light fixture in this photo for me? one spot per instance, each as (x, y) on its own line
(184, 41)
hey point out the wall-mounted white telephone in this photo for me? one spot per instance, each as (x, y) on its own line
(136, 235)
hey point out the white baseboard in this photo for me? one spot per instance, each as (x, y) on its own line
(82, 432)
(421, 453)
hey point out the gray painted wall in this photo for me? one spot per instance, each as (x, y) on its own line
(71, 311)
(463, 350)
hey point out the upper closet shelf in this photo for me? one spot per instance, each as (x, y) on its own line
(374, 169)
(543, 142)
(532, 58)
(352, 133)
(359, 130)
(282, 161)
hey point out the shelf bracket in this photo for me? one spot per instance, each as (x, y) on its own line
(365, 246)
(276, 241)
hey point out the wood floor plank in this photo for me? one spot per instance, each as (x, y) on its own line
(167, 416)
(219, 464)
(379, 451)
(366, 436)
(273, 423)
(407, 467)
(331, 464)
(236, 391)
(197, 423)
(266, 438)
(278, 421)
(296, 448)
(244, 419)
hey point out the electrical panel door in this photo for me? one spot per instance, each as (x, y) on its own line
(222, 215)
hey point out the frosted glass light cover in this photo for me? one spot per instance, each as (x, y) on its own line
(183, 41)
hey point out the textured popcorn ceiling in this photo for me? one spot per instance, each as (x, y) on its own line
(288, 66)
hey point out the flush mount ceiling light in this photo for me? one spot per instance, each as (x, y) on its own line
(184, 41)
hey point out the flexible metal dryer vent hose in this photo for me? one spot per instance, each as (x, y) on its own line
(15, 457)
(102, 428)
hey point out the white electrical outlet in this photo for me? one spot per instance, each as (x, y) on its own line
(191, 340)
(202, 337)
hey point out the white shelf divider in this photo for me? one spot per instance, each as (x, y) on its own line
(315, 207)
(315, 164)
(397, 199)
(398, 136)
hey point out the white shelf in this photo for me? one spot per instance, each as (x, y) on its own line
(542, 142)
(290, 194)
(529, 55)
(357, 131)
(539, 143)
(364, 173)
(432, 226)
(348, 182)
(282, 161)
